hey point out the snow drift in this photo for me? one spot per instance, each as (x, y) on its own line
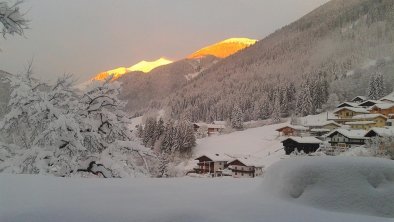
(345, 184)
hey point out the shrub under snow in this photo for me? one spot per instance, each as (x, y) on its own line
(346, 184)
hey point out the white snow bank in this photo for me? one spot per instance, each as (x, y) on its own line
(318, 181)
(345, 184)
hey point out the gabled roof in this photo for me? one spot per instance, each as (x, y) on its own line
(348, 104)
(365, 103)
(369, 116)
(293, 127)
(383, 132)
(389, 97)
(305, 140)
(216, 157)
(351, 134)
(359, 97)
(354, 109)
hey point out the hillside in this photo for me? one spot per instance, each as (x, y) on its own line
(335, 40)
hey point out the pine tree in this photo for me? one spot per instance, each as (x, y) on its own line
(277, 109)
(237, 118)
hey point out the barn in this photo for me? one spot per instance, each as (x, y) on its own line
(305, 144)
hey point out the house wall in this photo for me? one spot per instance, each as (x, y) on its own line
(346, 114)
(242, 171)
(339, 138)
(362, 126)
(385, 112)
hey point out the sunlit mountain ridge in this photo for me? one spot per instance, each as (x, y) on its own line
(221, 49)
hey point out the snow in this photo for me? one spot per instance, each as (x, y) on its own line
(293, 127)
(384, 132)
(317, 120)
(319, 189)
(384, 105)
(262, 143)
(360, 123)
(389, 97)
(352, 134)
(369, 116)
(353, 185)
(354, 109)
(305, 140)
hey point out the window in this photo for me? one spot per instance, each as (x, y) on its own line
(235, 173)
(242, 174)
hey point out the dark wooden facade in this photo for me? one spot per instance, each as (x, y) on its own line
(291, 145)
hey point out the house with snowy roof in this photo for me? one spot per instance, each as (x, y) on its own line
(347, 138)
(367, 121)
(211, 129)
(383, 108)
(212, 164)
(292, 130)
(380, 132)
(346, 113)
(305, 144)
(245, 168)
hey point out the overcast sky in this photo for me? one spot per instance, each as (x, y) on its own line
(84, 37)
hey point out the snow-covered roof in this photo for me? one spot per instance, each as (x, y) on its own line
(322, 124)
(211, 126)
(352, 134)
(217, 157)
(389, 97)
(370, 101)
(384, 105)
(351, 104)
(354, 109)
(320, 130)
(360, 123)
(219, 122)
(293, 127)
(359, 97)
(305, 140)
(384, 132)
(369, 116)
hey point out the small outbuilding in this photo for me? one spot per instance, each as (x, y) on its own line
(305, 144)
(290, 130)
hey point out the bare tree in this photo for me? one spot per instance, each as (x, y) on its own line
(12, 19)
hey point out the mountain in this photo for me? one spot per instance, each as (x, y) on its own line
(143, 66)
(224, 48)
(144, 91)
(340, 43)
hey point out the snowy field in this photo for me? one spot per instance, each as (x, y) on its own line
(262, 144)
(319, 189)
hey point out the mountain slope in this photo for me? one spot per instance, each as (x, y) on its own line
(143, 66)
(224, 48)
(334, 39)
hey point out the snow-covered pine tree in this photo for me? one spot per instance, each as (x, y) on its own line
(276, 113)
(237, 118)
(372, 88)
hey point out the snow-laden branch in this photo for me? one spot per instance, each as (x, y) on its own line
(12, 19)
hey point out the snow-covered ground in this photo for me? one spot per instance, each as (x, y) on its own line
(262, 144)
(319, 189)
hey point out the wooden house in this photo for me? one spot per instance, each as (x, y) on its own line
(383, 108)
(212, 165)
(292, 130)
(211, 129)
(345, 114)
(378, 120)
(364, 125)
(242, 168)
(359, 99)
(305, 144)
(347, 138)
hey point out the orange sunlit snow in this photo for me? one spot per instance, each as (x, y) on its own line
(143, 66)
(224, 48)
